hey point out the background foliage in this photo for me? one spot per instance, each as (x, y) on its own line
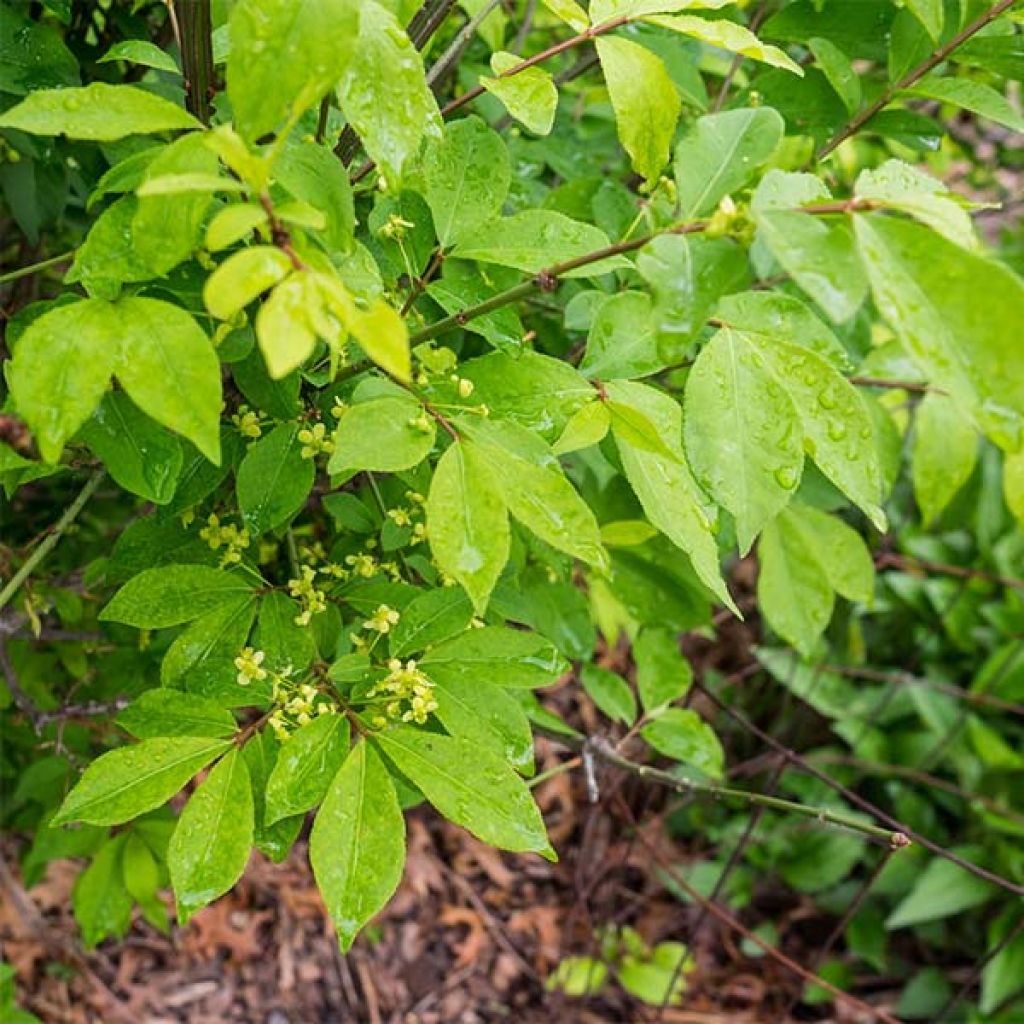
(370, 368)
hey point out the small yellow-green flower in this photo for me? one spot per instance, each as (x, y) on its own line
(382, 619)
(315, 441)
(250, 666)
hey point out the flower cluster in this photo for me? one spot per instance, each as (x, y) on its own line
(314, 441)
(231, 538)
(304, 590)
(409, 694)
(299, 706)
(247, 422)
(250, 666)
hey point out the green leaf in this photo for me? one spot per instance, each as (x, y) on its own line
(242, 277)
(662, 673)
(793, 589)
(577, 976)
(141, 51)
(140, 455)
(570, 12)
(621, 341)
(124, 783)
(977, 97)
(495, 656)
(102, 904)
(684, 736)
(944, 453)
(837, 425)
(602, 11)
(275, 841)
(665, 487)
(211, 844)
(536, 491)
(610, 692)
(941, 890)
(357, 845)
(727, 35)
(838, 549)
(467, 521)
(280, 637)
(108, 258)
(901, 186)
(313, 174)
(465, 177)
(430, 618)
(645, 102)
(487, 715)
(61, 369)
(173, 594)
(285, 55)
(97, 112)
(1003, 976)
(384, 92)
(383, 434)
(306, 765)
(586, 428)
(530, 96)
(201, 659)
(721, 153)
(535, 240)
(274, 479)
(839, 71)
(1013, 484)
(170, 369)
(164, 712)
(820, 256)
(743, 437)
(33, 55)
(492, 802)
(927, 288)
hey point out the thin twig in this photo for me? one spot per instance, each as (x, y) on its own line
(889, 93)
(35, 268)
(909, 564)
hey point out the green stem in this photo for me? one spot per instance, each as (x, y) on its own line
(915, 74)
(604, 750)
(34, 268)
(50, 540)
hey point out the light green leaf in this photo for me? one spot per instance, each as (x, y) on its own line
(429, 618)
(492, 801)
(467, 521)
(820, 256)
(721, 153)
(357, 845)
(141, 51)
(97, 112)
(141, 456)
(535, 240)
(977, 97)
(284, 324)
(108, 258)
(61, 369)
(928, 288)
(665, 487)
(931, 15)
(164, 712)
(384, 92)
(383, 435)
(536, 491)
(743, 437)
(530, 96)
(570, 12)
(602, 11)
(684, 736)
(242, 277)
(621, 340)
(127, 782)
(793, 589)
(211, 843)
(274, 479)
(1013, 484)
(170, 369)
(838, 431)
(102, 904)
(465, 177)
(314, 175)
(383, 336)
(727, 35)
(285, 55)
(586, 428)
(901, 186)
(496, 656)
(306, 765)
(487, 715)
(662, 673)
(233, 223)
(944, 453)
(610, 692)
(838, 548)
(172, 594)
(187, 181)
(645, 102)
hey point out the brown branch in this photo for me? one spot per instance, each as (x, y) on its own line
(888, 560)
(915, 74)
(197, 56)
